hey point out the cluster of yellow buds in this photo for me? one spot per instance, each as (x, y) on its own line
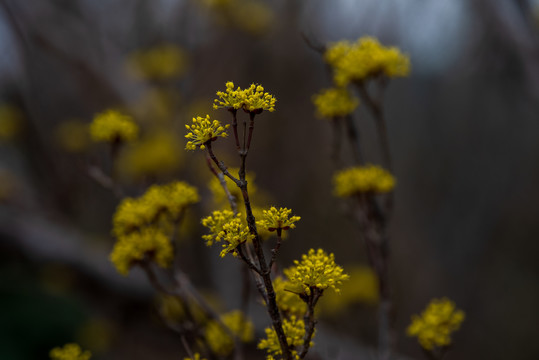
(361, 179)
(202, 131)
(220, 341)
(363, 59)
(294, 329)
(277, 219)
(434, 326)
(69, 351)
(111, 126)
(253, 99)
(335, 102)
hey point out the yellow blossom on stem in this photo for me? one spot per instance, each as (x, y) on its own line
(69, 351)
(230, 98)
(218, 338)
(234, 233)
(294, 329)
(434, 326)
(165, 61)
(137, 245)
(256, 100)
(363, 59)
(369, 178)
(215, 223)
(316, 269)
(111, 126)
(334, 102)
(277, 219)
(168, 200)
(253, 99)
(202, 131)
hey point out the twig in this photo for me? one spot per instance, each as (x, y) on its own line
(275, 250)
(309, 319)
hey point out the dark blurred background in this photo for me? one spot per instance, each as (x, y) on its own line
(462, 129)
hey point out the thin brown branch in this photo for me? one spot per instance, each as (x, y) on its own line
(309, 319)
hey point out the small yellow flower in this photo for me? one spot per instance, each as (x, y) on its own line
(277, 219)
(369, 178)
(434, 326)
(316, 269)
(230, 98)
(69, 351)
(202, 131)
(219, 340)
(167, 200)
(136, 245)
(165, 61)
(294, 329)
(335, 102)
(256, 100)
(253, 99)
(111, 126)
(234, 233)
(215, 223)
(363, 59)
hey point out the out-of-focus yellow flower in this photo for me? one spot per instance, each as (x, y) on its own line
(434, 326)
(363, 59)
(158, 202)
(334, 102)
(157, 154)
(202, 131)
(294, 329)
(316, 269)
(10, 121)
(73, 136)
(111, 126)
(361, 288)
(158, 63)
(69, 351)
(136, 245)
(251, 16)
(369, 178)
(220, 341)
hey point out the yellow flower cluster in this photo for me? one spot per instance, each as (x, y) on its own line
(287, 299)
(334, 102)
(219, 340)
(70, 351)
(234, 233)
(253, 99)
(277, 219)
(156, 154)
(316, 269)
(294, 329)
(365, 58)
(215, 223)
(224, 226)
(140, 224)
(158, 63)
(168, 200)
(252, 16)
(111, 126)
(369, 178)
(436, 323)
(202, 131)
(136, 245)
(361, 288)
